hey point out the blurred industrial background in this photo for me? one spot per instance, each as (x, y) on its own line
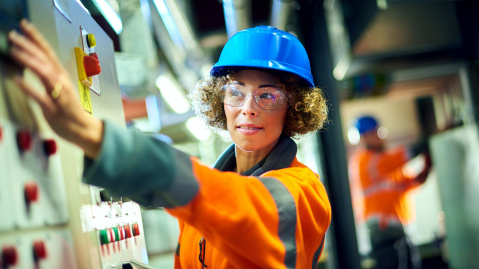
(411, 63)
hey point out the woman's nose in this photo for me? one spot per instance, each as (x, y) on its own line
(250, 107)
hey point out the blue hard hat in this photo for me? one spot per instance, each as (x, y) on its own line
(265, 47)
(365, 124)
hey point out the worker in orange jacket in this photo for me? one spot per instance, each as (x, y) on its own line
(380, 182)
(258, 207)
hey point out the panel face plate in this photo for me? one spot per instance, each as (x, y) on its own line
(45, 209)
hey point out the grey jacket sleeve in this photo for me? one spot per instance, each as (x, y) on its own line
(143, 168)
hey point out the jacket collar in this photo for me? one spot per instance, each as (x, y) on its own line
(280, 157)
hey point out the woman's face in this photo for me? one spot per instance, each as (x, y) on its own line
(251, 127)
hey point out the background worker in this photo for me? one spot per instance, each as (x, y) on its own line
(259, 207)
(380, 184)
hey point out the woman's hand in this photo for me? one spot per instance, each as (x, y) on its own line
(60, 104)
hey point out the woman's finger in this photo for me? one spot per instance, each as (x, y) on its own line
(22, 43)
(32, 33)
(39, 67)
(41, 98)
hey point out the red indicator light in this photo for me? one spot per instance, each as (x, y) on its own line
(136, 229)
(31, 192)
(24, 140)
(127, 231)
(39, 250)
(9, 256)
(50, 147)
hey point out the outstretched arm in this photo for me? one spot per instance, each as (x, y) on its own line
(421, 178)
(59, 101)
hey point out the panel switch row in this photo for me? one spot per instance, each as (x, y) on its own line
(119, 233)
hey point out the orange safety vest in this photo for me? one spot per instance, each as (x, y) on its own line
(380, 185)
(244, 229)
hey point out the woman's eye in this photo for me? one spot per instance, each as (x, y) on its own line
(271, 94)
(267, 95)
(235, 92)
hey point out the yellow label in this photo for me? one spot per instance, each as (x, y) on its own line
(85, 98)
(79, 54)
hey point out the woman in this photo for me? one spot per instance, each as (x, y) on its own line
(260, 207)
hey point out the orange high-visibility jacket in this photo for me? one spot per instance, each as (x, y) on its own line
(380, 185)
(273, 216)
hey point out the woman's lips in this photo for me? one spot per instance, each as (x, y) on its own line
(248, 129)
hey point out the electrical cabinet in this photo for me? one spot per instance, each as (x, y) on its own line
(49, 218)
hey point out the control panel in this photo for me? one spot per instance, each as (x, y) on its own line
(48, 217)
(118, 228)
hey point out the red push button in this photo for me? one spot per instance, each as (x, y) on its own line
(127, 231)
(31, 192)
(1, 133)
(136, 229)
(9, 256)
(111, 235)
(50, 147)
(92, 65)
(122, 232)
(39, 250)
(24, 140)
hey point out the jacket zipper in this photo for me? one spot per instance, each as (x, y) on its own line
(201, 257)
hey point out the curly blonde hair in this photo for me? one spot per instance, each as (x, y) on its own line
(307, 112)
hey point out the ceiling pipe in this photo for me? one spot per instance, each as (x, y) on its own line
(280, 11)
(178, 42)
(183, 27)
(237, 15)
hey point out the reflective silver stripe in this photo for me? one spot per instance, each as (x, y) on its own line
(383, 186)
(286, 207)
(372, 166)
(184, 185)
(316, 254)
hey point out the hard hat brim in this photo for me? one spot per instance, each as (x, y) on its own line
(267, 64)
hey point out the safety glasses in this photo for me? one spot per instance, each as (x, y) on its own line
(270, 97)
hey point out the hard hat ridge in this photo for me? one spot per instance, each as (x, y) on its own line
(265, 47)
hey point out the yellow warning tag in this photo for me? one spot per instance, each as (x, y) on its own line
(85, 98)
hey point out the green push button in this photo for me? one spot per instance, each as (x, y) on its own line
(117, 234)
(104, 237)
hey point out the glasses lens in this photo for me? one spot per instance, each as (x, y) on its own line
(270, 98)
(234, 95)
(266, 97)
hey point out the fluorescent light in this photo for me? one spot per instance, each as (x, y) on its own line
(169, 22)
(341, 68)
(110, 15)
(153, 111)
(170, 90)
(382, 4)
(205, 69)
(353, 136)
(198, 128)
(383, 132)
(231, 27)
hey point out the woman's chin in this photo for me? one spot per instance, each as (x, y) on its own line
(246, 148)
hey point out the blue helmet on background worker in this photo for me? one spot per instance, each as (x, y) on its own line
(265, 47)
(366, 124)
